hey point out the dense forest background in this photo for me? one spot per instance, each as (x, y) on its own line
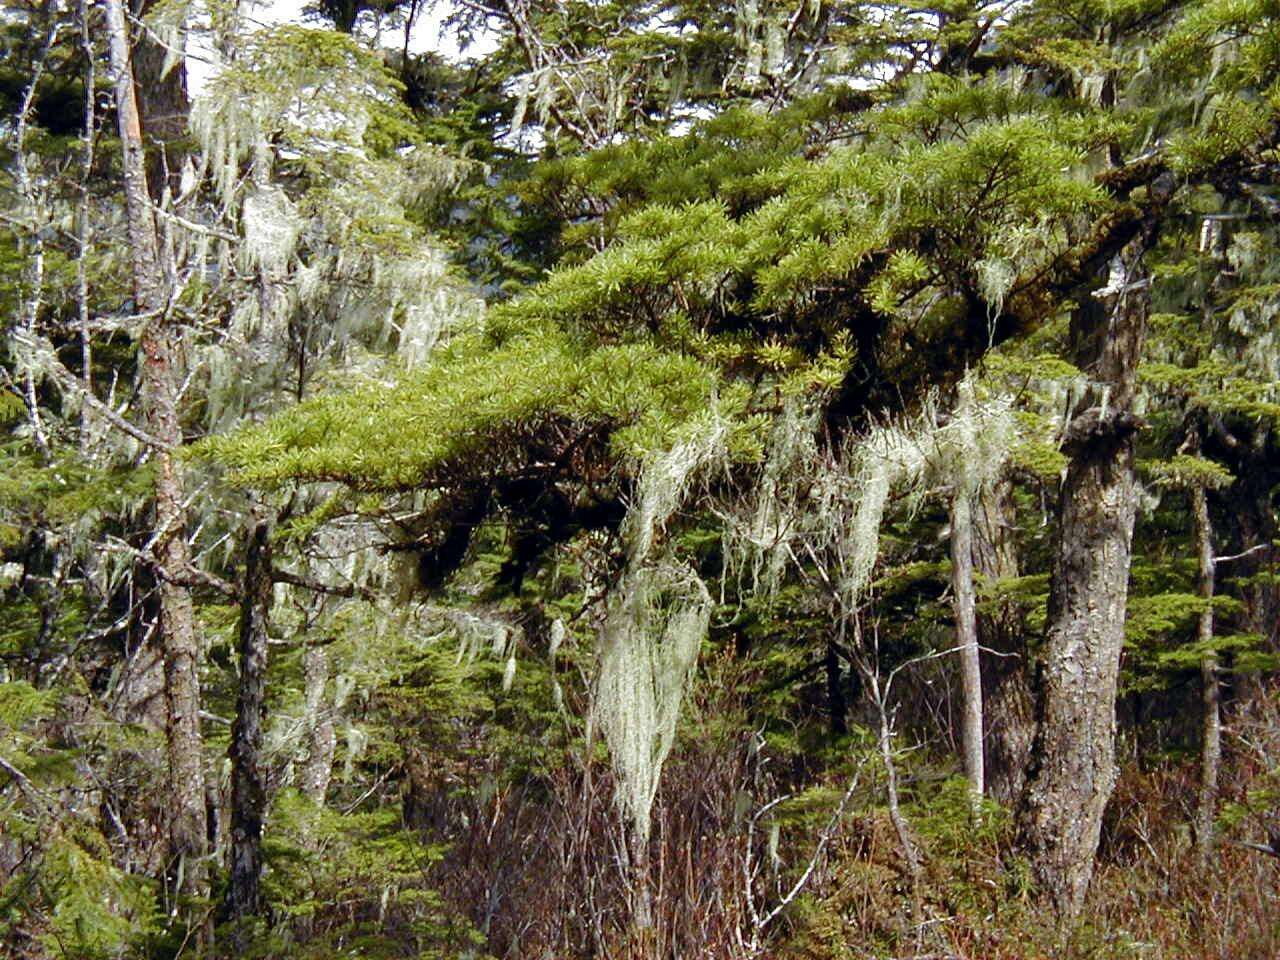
(789, 479)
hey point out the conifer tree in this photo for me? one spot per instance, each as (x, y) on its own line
(158, 345)
(778, 295)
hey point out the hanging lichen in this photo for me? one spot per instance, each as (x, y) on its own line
(830, 504)
(657, 618)
(664, 483)
(648, 648)
(756, 530)
(272, 227)
(294, 135)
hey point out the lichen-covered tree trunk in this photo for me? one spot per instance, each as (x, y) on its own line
(1009, 713)
(1211, 719)
(322, 740)
(169, 549)
(248, 787)
(1073, 759)
(965, 606)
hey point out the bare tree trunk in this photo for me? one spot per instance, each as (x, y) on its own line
(967, 640)
(1211, 719)
(910, 853)
(321, 738)
(837, 702)
(144, 250)
(641, 943)
(248, 789)
(1009, 713)
(172, 560)
(641, 895)
(1074, 770)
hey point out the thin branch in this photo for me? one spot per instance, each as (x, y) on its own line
(69, 382)
(337, 590)
(193, 226)
(23, 781)
(824, 838)
(35, 268)
(1245, 553)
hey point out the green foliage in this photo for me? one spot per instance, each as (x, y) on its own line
(33, 492)
(318, 859)
(1184, 470)
(65, 891)
(473, 401)
(738, 211)
(97, 909)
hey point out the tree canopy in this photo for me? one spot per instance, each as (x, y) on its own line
(789, 479)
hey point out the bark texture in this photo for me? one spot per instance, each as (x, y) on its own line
(1074, 770)
(248, 787)
(1008, 708)
(965, 605)
(1211, 713)
(169, 550)
(322, 740)
(163, 104)
(1258, 574)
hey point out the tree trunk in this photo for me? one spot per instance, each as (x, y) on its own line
(1256, 575)
(1009, 712)
(144, 250)
(317, 769)
(163, 105)
(1211, 720)
(967, 640)
(642, 944)
(1074, 768)
(159, 376)
(248, 790)
(837, 702)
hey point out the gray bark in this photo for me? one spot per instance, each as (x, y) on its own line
(967, 640)
(1074, 769)
(1211, 718)
(1009, 713)
(322, 740)
(164, 106)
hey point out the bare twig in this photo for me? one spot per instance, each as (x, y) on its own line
(824, 838)
(337, 590)
(1258, 548)
(34, 294)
